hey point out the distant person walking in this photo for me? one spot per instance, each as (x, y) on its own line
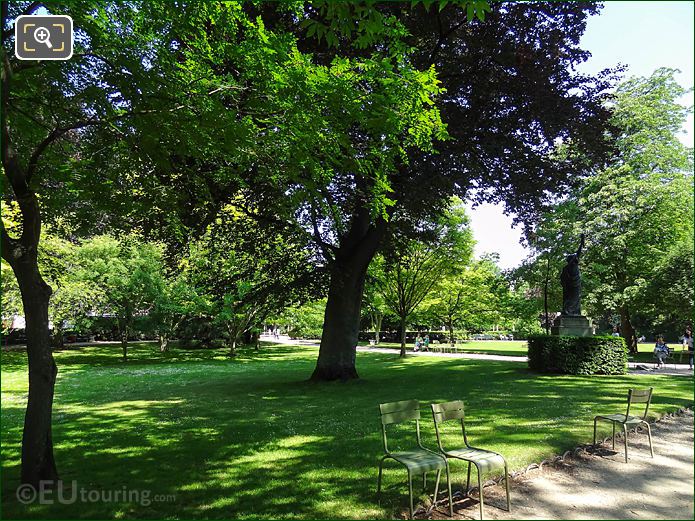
(418, 342)
(660, 351)
(616, 331)
(688, 345)
(426, 343)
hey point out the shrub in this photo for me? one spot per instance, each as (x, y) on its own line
(577, 355)
(305, 332)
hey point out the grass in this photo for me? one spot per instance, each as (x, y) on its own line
(249, 437)
(492, 347)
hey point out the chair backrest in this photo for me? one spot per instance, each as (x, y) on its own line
(442, 412)
(639, 396)
(399, 412)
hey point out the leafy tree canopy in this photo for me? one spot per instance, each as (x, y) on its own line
(637, 213)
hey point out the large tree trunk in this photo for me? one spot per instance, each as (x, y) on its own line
(341, 322)
(627, 330)
(21, 254)
(38, 463)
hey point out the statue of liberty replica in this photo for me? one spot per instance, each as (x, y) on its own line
(571, 322)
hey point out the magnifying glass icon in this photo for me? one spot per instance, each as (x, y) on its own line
(43, 35)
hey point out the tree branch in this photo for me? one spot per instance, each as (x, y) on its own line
(328, 250)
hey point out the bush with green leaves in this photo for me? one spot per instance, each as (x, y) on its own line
(577, 355)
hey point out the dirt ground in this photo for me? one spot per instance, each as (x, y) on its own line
(602, 485)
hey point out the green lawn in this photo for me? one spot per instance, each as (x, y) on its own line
(493, 347)
(249, 438)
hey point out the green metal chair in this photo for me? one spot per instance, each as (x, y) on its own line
(484, 460)
(418, 461)
(627, 421)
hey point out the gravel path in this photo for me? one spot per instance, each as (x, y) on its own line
(602, 485)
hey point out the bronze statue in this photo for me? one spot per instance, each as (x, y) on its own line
(571, 280)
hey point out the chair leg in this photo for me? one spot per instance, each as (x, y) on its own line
(613, 435)
(595, 420)
(506, 483)
(480, 491)
(378, 481)
(448, 484)
(468, 479)
(625, 434)
(410, 493)
(436, 487)
(649, 433)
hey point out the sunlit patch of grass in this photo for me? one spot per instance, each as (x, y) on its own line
(491, 347)
(249, 437)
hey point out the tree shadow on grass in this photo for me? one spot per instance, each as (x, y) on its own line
(255, 439)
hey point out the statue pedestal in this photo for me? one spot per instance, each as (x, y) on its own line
(579, 325)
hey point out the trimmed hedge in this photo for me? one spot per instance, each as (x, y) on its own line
(577, 355)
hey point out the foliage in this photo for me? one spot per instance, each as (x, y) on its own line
(511, 95)
(126, 274)
(637, 213)
(305, 321)
(413, 266)
(11, 298)
(474, 298)
(523, 315)
(245, 272)
(73, 298)
(175, 301)
(577, 355)
(667, 298)
(362, 24)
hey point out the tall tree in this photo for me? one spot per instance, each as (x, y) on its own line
(413, 267)
(637, 213)
(469, 298)
(175, 301)
(49, 110)
(510, 95)
(128, 274)
(106, 138)
(373, 300)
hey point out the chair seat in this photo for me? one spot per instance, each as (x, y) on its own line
(620, 418)
(485, 460)
(419, 461)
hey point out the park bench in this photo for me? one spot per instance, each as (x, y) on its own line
(627, 421)
(484, 460)
(417, 461)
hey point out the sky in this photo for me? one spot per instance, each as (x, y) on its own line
(642, 35)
